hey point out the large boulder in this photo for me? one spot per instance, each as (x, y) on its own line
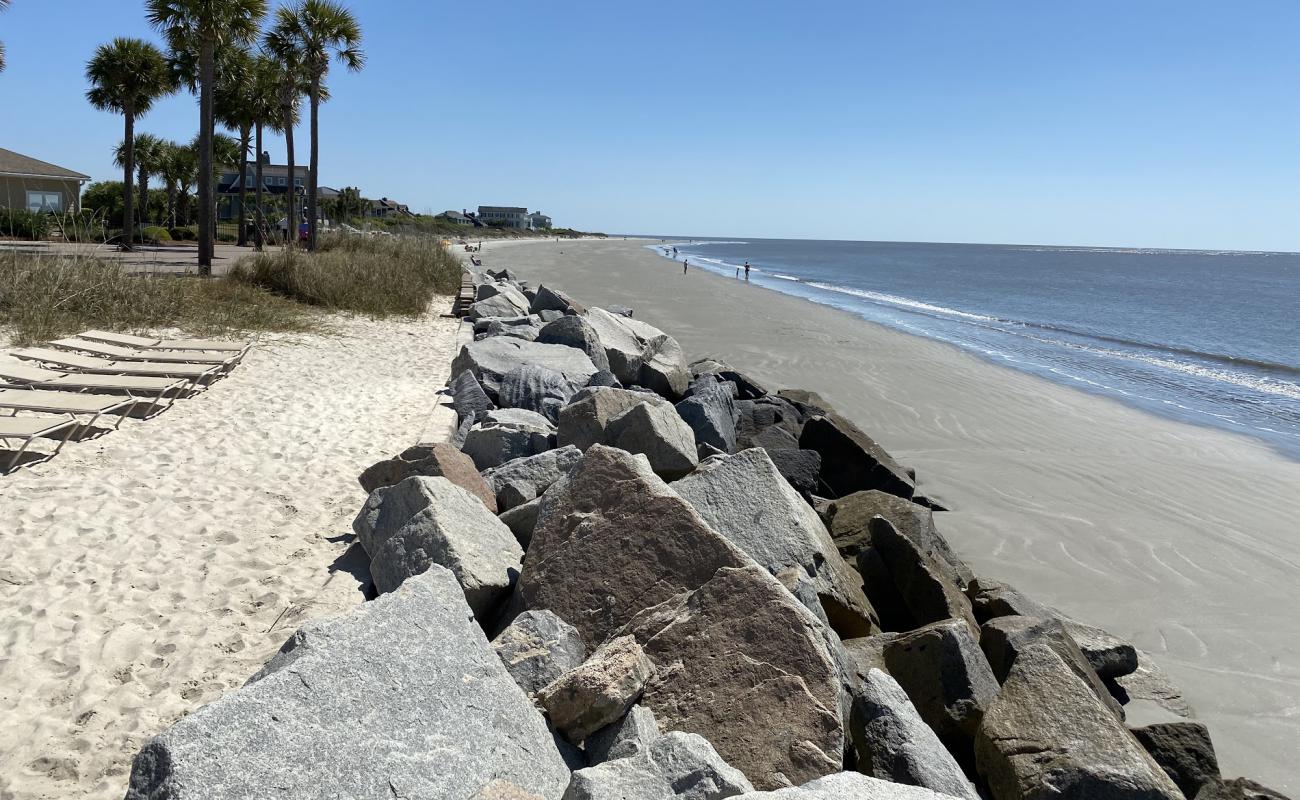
(712, 417)
(353, 704)
(742, 663)
(507, 302)
(533, 474)
(582, 422)
(1003, 639)
(436, 460)
(848, 519)
(744, 498)
(676, 765)
(536, 388)
(549, 299)
(575, 331)
(800, 468)
(851, 460)
(908, 587)
(521, 520)
(1047, 736)
(657, 432)
(990, 599)
(1237, 789)
(1110, 656)
(623, 348)
(537, 647)
(599, 691)
(847, 786)
(427, 521)
(663, 366)
(611, 540)
(525, 328)
(1149, 689)
(489, 360)
(624, 737)
(468, 397)
(893, 742)
(1183, 750)
(507, 434)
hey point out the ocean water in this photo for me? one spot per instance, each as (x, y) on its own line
(1207, 337)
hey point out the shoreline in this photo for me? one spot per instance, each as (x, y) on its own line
(1092, 505)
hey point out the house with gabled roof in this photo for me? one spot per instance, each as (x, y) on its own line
(38, 186)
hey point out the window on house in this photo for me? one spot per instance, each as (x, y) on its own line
(297, 181)
(43, 202)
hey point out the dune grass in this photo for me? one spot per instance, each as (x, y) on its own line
(379, 276)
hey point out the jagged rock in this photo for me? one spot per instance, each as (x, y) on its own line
(437, 460)
(1109, 655)
(1003, 638)
(488, 360)
(948, 679)
(599, 691)
(521, 520)
(1047, 736)
(770, 438)
(622, 311)
(1148, 685)
(493, 445)
(744, 664)
(768, 422)
(426, 521)
(363, 525)
(744, 498)
(712, 416)
(553, 300)
(706, 366)
(663, 367)
(893, 743)
(623, 348)
(611, 540)
(536, 473)
(1235, 789)
(485, 290)
(582, 423)
(908, 588)
(507, 302)
(537, 648)
(468, 396)
(503, 274)
(574, 331)
(866, 653)
(851, 460)
(604, 378)
(391, 671)
(525, 328)
(746, 387)
(516, 417)
(539, 389)
(515, 494)
(810, 404)
(847, 786)
(462, 431)
(848, 519)
(546, 315)
(1184, 751)
(625, 737)
(657, 432)
(482, 324)
(675, 765)
(990, 599)
(799, 467)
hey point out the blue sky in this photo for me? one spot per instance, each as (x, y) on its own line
(1154, 123)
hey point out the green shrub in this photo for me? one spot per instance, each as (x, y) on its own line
(155, 235)
(23, 224)
(189, 234)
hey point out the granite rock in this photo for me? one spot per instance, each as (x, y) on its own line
(851, 460)
(657, 432)
(675, 765)
(537, 647)
(599, 691)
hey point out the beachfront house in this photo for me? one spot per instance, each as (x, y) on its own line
(505, 216)
(456, 217)
(384, 208)
(539, 221)
(38, 186)
(275, 182)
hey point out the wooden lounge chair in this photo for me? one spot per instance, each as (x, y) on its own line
(74, 362)
(147, 343)
(51, 402)
(29, 429)
(162, 392)
(131, 354)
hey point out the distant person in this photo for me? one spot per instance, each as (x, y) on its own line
(737, 273)
(746, 270)
(686, 262)
(674, 251)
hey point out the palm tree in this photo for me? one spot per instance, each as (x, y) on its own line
(127, 76)
(236, 109)
(178, 167)
(4, 4)
(201, 27)
(318, 31)
(149, 153)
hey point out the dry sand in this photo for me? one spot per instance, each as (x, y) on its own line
(146, 572)
(1184, 540)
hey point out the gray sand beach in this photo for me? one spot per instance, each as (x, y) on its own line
(1184, 540)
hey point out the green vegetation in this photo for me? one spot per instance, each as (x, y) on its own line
(20, 223)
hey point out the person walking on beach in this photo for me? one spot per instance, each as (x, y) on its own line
(746, 270)
(685, 263)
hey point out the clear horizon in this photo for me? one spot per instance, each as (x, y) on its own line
(1171, 126)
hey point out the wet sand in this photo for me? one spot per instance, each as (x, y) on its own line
(1184, 540)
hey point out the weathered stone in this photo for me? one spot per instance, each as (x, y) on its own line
(363, 525)
(604, 378)
(353, 703)
(1109, 655)
(1003, 638)
(462, 430)
(1183, 750)
(767, 422)
(621, 311)
(658, 433)
(504, 790)
(488, 360)
(547, 315)
(503, 274)
(437, 460)
(746, 387)
(485, 290)
(847, 786)
(493, 445)
(712, 416)
(537, 648)
(799, 467)
(1237, 789)
(535, 472)
(516, 418)
(810, 404)
(990, 599)
(613, 539)
(521, 520)
(624, 737)
(535, 388)
(744, 498)
(575, 331)
(892, 741)
(482, 324)
(582, 423)
(907, 586)
(426, 521)
(1047, 736)
(468, 396)
(1148, 686)
(507, 302)
(948, 679)
(851, 460)
(707, 366)
(675, 765)
(515, 494)
(663, 367)
(848, 519)
(772, 437)
(623, 348)
(745, 665)
(866, 653)
(525, 329)
(599, 691)
(548, 299)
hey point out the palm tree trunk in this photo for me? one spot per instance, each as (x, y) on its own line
(128, 172)
(171, 202)
(261, 215)
(207, 208)
(292, 195)
(144, 194)
(245, 134)
(312, 215)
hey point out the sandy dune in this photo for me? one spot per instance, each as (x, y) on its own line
(1185, 540)
(146, 572)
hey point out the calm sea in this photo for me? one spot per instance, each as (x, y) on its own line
(1206, 337)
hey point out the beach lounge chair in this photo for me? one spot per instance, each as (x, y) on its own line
(147, 343)
(51, 402)
(29, 429)
(131, 354)
(162, 392)
(99, 366)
